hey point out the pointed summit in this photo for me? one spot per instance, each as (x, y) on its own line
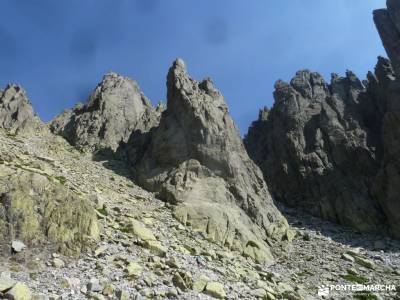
(16, 112)
(196, 161)
(179, 64)
(387, 22)
(113, 111)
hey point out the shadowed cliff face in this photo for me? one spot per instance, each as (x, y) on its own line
(388, 180)
(333, 149)
(388, 24)
(197, 161)
(319, 146)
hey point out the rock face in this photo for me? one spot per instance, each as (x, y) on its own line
(16, 113)
(116, 108)
(334, 148)
(319, 146)
(388, 24)
(197, 162)
(37, 211)
(388, 180)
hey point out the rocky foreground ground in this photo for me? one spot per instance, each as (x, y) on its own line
(145, 253)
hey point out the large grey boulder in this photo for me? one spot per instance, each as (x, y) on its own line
(39, 211)
(16, 113)
(388, 180)
(320, 145)
(196, 161)
(115, 109)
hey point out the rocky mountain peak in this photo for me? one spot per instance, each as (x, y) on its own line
(116, 90)
(331, 148)
(314, 133)
(16, 112)
(114, 110)
(177, 67)
(388, 24)
(197, 162)
(180, 87)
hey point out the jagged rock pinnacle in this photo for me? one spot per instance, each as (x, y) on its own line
(16, 112)
(313, 135)
(115, 109)
(196, 161)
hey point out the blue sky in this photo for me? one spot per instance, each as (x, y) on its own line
(59, 50)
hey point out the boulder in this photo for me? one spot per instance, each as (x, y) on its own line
(139, 230)
(196, 161)
(38, 211)
(6, 283)
(19, 292)
(200, 284)
(215, 290)
(134, 269)
(17, 246)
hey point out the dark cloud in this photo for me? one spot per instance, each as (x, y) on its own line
(99, 30)
(9, 46)
(147, 6)
(84, 44)
(9, 50)
(46, 15)
(216, 31)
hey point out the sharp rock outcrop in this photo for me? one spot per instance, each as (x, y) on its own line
(16, 113)
(197, 162)
(320, 145)
(334, 149)
(388, 180)
(388, 24)
(115, 109)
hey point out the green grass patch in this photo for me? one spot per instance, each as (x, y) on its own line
(103, 211)
(125, 229)
(305, 273)
(61, 179)
(355, 278)
(365, 296)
